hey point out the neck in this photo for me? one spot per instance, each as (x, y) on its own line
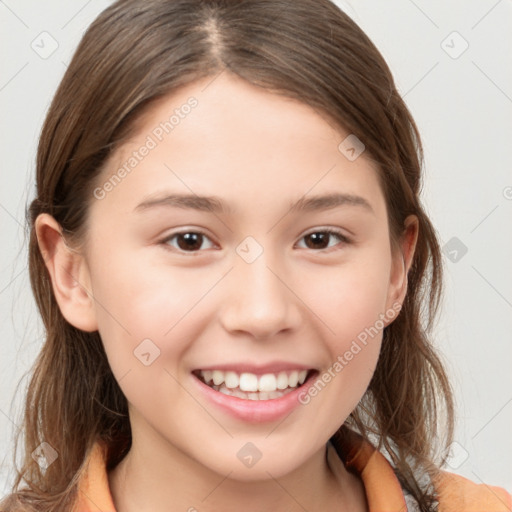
(163, 478)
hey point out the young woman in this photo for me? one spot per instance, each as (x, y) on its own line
(231, 260)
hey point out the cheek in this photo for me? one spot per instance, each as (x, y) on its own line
(147, 298)
(148, 328)
(140, 302)
(349, 298)
(351, 302)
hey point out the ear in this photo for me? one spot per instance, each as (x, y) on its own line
(402, 261)
(69, 274)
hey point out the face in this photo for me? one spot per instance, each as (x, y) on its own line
(213, 311)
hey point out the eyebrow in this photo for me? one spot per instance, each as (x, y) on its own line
(215, 205)
(328, 201)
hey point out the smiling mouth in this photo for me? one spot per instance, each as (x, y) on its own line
(249, 386)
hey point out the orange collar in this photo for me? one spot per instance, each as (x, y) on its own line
(383, 490)
(93, 489)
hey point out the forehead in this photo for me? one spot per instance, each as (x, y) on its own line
(229, 138)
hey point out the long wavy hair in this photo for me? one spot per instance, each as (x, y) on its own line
(137, 52)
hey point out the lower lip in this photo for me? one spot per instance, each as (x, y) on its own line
(256, 411)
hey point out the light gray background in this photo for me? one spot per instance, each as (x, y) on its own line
(462, 105)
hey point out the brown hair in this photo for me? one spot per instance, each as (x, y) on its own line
(137, 52)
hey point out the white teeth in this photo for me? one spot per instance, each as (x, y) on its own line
(231, 380)
(261, 395)
(250, 384)
(267, 382)
(218, 377)
(282, 380)
(293, 379)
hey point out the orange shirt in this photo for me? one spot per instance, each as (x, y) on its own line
(384, 492)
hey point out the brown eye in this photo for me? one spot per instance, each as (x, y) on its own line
(186, 241)
(321, 239)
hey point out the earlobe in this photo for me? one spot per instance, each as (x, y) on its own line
(402, 262)
(68, 273)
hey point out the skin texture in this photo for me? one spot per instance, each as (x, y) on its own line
(297, 303)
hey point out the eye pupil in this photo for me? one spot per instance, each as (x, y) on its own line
(321, 237)
(191, 240)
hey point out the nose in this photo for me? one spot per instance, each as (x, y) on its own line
(259, 301)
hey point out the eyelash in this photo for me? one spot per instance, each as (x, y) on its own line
(344, 239)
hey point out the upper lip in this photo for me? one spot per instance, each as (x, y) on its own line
(257, 369)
